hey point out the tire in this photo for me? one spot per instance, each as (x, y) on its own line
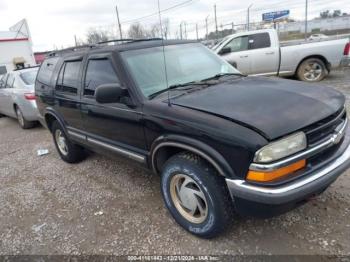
(69, 152)
(24, 124)
(312, 70)
(196, 175)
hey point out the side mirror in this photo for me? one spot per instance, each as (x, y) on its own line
(225, 50)
(109, 93)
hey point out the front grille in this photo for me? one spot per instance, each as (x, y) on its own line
(323, 129)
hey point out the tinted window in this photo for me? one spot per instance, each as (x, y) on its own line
(99, 72)
(3, 70)
(46, 70)
(68, 77)
(10, 81)
(3, 81)
(238, 44)
(261, 40)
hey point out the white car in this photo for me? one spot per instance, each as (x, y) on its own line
(317, 37)
(17, 98)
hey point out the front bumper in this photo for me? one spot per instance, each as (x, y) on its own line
(296, 190)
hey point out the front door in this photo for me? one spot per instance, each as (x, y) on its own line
(114, 125)
(239, 55)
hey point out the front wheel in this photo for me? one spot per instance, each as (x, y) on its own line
(196, 196)
(312, 70)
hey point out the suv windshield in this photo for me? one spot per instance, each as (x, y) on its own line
(184, 63)
(28, 77)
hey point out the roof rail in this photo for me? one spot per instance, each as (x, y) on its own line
(84, 47)
(129, 40)
(70, 49)
(28, 67)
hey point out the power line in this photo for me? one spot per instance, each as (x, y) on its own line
(186, 3)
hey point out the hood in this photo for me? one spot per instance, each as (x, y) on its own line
(274, 107)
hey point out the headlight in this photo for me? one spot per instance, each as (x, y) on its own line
(281, 148)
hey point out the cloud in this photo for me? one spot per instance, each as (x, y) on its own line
(53, 23)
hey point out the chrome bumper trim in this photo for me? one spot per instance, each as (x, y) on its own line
(243, 185)
(334, 139)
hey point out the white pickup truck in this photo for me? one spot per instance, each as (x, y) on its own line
(260, 53)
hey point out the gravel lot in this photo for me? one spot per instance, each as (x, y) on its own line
(104, 206)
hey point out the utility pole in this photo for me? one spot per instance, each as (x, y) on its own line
(248, 16)
(306, 6)
(185, 30)
(181, 30)
(197, 31)
(216, 21)
(75, 40)
(233, 28)
(206, 27)
(119, 25)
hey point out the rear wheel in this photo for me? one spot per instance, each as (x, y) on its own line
(312, 70)
(22, 121)
(196, 196)
(69, 152)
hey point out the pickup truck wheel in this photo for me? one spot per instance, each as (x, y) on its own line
(312, 70)
(196, 196)
(68, 151)
(22, 121)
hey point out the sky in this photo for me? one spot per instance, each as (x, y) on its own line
(54, 23)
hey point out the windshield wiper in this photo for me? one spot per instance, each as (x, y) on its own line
(175, 86)
(217, 76)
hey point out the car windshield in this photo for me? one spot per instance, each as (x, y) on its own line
(28, 77)
(184, 63)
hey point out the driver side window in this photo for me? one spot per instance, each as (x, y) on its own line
(238, 44)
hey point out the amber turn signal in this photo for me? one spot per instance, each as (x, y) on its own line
(261, 176)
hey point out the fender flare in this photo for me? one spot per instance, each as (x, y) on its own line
(52, 113)
(195, 146)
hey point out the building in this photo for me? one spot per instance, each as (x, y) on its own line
(16, 48)
(318, 25)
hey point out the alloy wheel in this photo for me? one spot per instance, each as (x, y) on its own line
(313, 71)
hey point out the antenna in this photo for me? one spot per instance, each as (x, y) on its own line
(164, 59)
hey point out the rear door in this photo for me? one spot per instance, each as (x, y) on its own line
(7, 107)
(264, 54)
(239, 56)
(2, 88)
(111, 126)
(67, 92)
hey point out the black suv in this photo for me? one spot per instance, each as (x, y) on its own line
(221, 141)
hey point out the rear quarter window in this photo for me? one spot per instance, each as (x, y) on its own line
(46, 70)
(261, 40)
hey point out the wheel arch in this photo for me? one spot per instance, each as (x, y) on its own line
(50, 117)
(166, 146)
(321, 57)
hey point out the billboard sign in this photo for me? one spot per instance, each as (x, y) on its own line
(272, 16)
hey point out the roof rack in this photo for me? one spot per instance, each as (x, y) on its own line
(130, 40)
(71, 49)
(28, 67)
(84, 47)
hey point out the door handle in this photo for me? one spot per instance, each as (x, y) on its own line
(243, 56)
(269, 53)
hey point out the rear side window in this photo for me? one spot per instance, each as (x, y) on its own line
(46, 70)
(68, 77)
(10, 80)
(3, 70)
(261, 40)
(98, 72)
